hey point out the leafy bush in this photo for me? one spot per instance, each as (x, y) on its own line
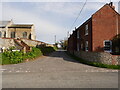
(11, 48)
(10, 57)
(47, 50)
(34, 53)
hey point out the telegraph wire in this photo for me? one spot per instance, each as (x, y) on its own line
(79, 14)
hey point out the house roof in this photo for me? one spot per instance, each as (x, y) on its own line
(98, 11)
(109, 6)
(4, 23)
(21, 26)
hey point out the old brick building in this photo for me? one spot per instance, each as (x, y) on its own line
(96, 33)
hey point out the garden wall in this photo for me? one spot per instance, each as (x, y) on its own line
(6, 43)
(101, 57)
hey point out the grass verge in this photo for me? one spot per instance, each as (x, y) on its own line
(96, 64)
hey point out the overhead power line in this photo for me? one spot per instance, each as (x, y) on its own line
(79, 14)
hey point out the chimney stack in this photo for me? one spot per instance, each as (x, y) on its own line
(111, 4)
(75, 28)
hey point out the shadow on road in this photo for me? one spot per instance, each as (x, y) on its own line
(62, 54)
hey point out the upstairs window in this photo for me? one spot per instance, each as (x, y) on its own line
(24, 34)
(12, 34)
(0, 34)
(108, 46)
(78, 35)
(86, 29)
(86, 46)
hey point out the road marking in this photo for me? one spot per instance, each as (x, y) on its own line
(3, 69)
(17, 71)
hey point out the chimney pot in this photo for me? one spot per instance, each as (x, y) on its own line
(111, 3)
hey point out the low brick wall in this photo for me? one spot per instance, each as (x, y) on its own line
(8, 42)
(101, 57)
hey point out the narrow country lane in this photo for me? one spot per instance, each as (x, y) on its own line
(57, 71)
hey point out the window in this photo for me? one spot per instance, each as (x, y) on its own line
(86, 46)
(24, 34)
(78, 47)
(78, 34)
(81, 46)
(12, 34)
(108, 46)
(86, 29)
(0, 34)
(30, 36)
(4, 34)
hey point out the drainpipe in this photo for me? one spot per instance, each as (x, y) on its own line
(117, 23)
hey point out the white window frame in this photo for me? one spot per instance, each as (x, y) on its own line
(86, 45)
(78, 34)
(107, 46)
(81, 46)
(86, 29)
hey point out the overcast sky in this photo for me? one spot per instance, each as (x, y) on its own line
(50, 18)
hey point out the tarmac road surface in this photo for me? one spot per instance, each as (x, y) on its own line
(57, 71)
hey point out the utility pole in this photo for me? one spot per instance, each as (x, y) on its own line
(55, 39)
(67, 34)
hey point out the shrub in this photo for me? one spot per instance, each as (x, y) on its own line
(10, 57)
(47, 50)
(34, 53)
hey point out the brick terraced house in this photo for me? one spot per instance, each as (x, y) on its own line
(96, 33)
(94, 40)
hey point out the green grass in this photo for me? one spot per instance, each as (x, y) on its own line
(96, 64)
(10, 57)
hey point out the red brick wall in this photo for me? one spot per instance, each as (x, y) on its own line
(104, 27)
(72, 42)
(119, 24)
(84, 37)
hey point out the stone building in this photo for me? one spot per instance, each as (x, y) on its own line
(10, 30)
(14, 35)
